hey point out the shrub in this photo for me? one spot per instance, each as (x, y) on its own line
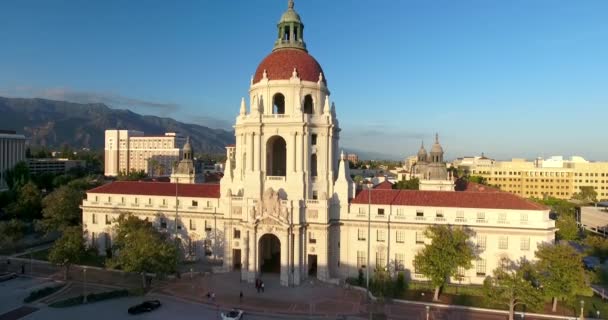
(91, 298)
(41, 293)
(360, 278)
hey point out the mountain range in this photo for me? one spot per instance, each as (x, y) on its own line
(53, 123)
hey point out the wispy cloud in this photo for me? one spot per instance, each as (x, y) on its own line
(381, 139)
(113, 100)
(211, 122)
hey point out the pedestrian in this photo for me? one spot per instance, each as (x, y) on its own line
(257, 285)
(241, 296)
(208, 295)
(212, 296)
(262, 286)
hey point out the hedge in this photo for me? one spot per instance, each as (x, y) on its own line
(91, 298)
(41, 293)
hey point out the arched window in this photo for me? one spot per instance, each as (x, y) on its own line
(308, 105)
(313, 165)
(276, 156)
(278, 104)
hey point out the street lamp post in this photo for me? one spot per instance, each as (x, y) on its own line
(84, 272)
(582, 317)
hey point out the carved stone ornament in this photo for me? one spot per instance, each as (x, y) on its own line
(270, 206)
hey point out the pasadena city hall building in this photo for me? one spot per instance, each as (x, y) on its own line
(286, 203)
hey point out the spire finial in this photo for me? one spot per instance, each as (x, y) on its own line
(436, 137)
(290, 4)
(422, 144)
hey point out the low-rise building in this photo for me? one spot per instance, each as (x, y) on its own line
(53, 165)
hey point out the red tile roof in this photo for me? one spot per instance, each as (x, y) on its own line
(482, 200)
(280, 63)
(384, 185)
(205, 190)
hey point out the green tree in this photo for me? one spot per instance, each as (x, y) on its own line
(449, 249)
(411, 184)
(133, 175)
(18, 176)
(597, 246)
(568, 229)
(561, 271)
(10, 232)
(61, 209)
(28, 204)
(139, 247)
(68, 249)
(587, 193)
(478, 179)
(512, 285)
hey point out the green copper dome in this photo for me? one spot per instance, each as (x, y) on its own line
(291, 30)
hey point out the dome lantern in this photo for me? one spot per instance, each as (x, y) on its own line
(291, 30)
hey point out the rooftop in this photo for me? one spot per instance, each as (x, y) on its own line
(205, 190)
(482, 200)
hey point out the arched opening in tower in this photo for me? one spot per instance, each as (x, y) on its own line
(276, 156)
(270, 254)
(308, 105)
(278, 104)
(313, 165)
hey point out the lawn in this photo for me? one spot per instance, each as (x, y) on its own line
(90, 259)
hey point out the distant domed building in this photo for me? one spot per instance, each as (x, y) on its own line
(184, 171)
(432, 170)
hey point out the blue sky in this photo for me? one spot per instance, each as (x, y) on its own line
(517, 78)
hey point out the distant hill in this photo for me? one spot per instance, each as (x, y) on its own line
(52, 123)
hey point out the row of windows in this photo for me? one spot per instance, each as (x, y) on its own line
(481, 216)
(150, 201)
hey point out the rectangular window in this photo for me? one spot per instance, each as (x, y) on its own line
(481, 242)
(481, 217)
(207, 226)
(503, 243)
(460, 216)
(135, 201)
(480, 268)
(419, 237)
(237, 233)
(94, 218)
(122, 200)
(163, 223)
(361, 234)
(93, 239)
(150, 201)
(380, 260)
(400, 236)
(311, 238)
(439, 214)
(419, 213)
(399, 261)
(313, 139)
(460, 273)
(194, 203)
(523, 218)
(502, 218)
(380, 212)
(108, 219)
(399, 212)
(524, 243)
(361, 259)
(380, 236)
(192, 224)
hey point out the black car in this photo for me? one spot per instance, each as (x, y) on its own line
(145, 306)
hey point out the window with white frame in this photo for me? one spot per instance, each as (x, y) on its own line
(237, 233)
(480, 267)
(399, 212)
(481, 217)
(523, 218)
(311, 238)
(481, 242)
(399, 261)
(439, 214)
(380, 211)
(361, 259)
(460, 273)
(502, 218)
(94, 218)
(380, 235)
(400, 236)
(362, 211)
(420, 237)
(460, 216)
(192, 224)
(207, 226)
(503, 243)
(524, 243)
(108, 220)
(361, 234)
(380, 260)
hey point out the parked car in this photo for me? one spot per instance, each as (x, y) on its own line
(145, 306)
(5, 276)
(234, 314)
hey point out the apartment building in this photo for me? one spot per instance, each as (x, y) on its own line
(131, 150)
(555, 177)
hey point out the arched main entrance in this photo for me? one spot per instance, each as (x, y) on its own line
(270, 254)
(276, 156)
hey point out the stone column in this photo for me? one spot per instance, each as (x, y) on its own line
(297, 268)
(251, 153)
(322, 252)
(284, 258)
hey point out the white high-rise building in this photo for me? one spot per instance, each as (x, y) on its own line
(287, 204)
(12, 151)
(130, 150)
